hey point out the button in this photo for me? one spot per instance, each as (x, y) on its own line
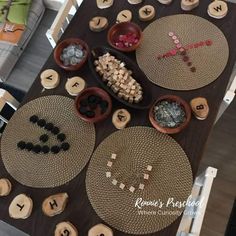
(174, 37)
(5, 187)
(176, 41)
(50, 79)
(98, 23)
(99, 230)
(55, 204)
(171, 34)
(21, 207)
(75, 85)
(185, 58)
(189, 64)
(104, 4)
(147, 13)
(124, 16)
(179, 45)
(65, 229)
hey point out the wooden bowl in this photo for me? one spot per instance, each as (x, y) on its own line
(98, 116)
(184, 105)
(138, 75)
(121, 29)
(65, 43)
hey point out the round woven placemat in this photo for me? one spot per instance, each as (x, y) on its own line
(47, 170)
(136, 148)
(172, 72)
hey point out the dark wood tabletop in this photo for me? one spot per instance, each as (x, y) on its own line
(193, 139)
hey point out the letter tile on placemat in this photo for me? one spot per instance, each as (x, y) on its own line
(182, 52)
(46, 144)
(148, 166)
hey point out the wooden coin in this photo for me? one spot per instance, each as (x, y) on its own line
(5, 187)
(121, 118)
(21, 207)
(55, 204)
(124, 16)
(133, 2)
(188, 5)
(50, 79)
(98, 23)
(200, 108)
(147, 13)
(218, 9)
(75, 85)
(165, 2)
(102, 4)
(99, 230)
(65, 229)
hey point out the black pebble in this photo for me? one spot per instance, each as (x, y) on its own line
(41, 122)
(55, 149)
(90, 114)
(37, 149)
(82, 110)
(55, 130)
(44, 138)
(93, 106)
(84, 103)
(49, 126)
(65, 146)
(29, 146)
(21, 145)
(34, 119)
(92, 99)
(61, 137)
(104, 104)
(45, 149)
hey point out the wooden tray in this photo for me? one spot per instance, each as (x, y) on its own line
(138, 75)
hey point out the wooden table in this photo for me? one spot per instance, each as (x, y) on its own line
(193, 139)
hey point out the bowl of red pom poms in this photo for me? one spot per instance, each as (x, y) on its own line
(125, 36)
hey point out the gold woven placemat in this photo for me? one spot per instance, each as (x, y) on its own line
(136, 148)
(47, 170)
(172, 72)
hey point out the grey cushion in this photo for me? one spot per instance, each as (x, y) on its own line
(9, 54)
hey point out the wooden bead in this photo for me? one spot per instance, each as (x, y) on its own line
(200, 108)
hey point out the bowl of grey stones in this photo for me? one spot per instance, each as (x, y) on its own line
(71, 54)
(170, 114)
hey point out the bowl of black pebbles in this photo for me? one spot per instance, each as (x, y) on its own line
(93, 105)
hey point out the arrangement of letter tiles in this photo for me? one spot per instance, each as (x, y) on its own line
(141, 185)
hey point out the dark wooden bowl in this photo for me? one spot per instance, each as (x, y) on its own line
(65, 43)
(138, 75)
(98, 116)
(180, 101)
(124, 28)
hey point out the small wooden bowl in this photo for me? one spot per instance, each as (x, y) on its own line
(98, 116)
(65, 43)
(182, 103)
(121, 29)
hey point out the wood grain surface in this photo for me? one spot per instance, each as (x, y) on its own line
(192, 139)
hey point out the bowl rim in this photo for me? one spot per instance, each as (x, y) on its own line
(129, 49)
(70, 41)
(175, 130)
(94, 119)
